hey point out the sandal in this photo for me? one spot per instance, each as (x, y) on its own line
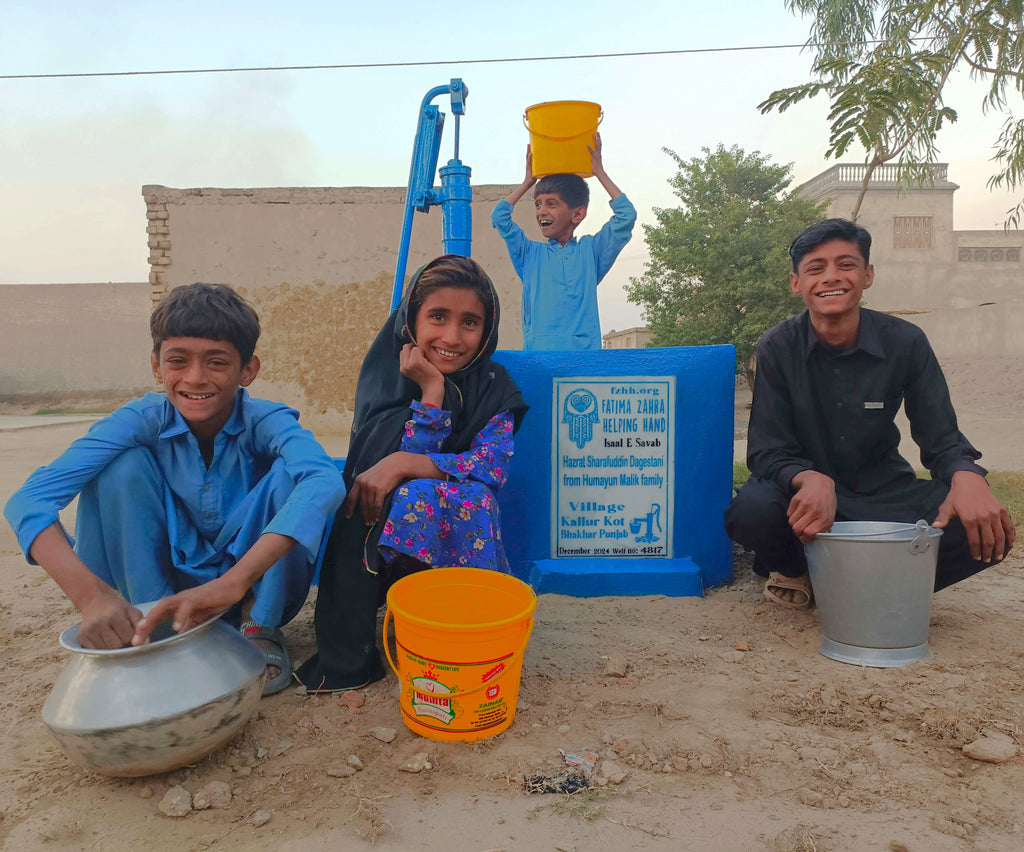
(801, 585)
(276, 657)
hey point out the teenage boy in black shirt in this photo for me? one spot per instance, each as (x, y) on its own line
(822, 445)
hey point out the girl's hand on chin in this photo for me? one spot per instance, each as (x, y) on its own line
(414, 366)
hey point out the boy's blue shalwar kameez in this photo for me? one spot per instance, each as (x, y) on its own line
(559, 309)
(153, 519)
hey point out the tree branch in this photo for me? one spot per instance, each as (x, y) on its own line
(994, 71)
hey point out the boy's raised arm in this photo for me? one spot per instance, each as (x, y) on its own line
(528, 181)
(597, 168)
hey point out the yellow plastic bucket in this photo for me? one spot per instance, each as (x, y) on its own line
(560, 132)
(460, 634)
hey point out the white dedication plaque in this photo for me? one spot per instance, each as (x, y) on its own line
(612, 466)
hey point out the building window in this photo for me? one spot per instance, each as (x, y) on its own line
(988, 255)
(912, 232)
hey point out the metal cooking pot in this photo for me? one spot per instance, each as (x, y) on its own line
(158, 706)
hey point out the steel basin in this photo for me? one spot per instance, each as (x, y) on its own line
(153, 708)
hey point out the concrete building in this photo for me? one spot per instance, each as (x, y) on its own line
(318, 263)
(74, 345)
(965, 288)
(637, 337)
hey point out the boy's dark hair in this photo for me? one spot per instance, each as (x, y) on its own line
(452, 270)
(211, 311)
(825, 231)
(572, 189)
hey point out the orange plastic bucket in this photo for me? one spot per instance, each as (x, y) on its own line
(560, 132)
(460, 635)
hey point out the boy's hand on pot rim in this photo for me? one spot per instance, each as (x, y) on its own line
(107, 623)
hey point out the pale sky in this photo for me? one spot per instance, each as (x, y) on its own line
(74, 153)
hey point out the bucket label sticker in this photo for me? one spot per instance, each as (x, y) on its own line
(432, 698)
(612, 463)
(458, 697)
(490, 674)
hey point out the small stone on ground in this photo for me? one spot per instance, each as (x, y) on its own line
(616, 666)
(216, 794)
(177, 802)
(416, 763)
(991, 748)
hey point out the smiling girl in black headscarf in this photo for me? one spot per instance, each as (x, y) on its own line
(431, 443)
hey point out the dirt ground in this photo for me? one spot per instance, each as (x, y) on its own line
(775, 747)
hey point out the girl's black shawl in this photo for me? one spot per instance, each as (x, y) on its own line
(346, 607)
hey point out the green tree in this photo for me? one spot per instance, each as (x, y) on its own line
(719, 267)
(884, 65)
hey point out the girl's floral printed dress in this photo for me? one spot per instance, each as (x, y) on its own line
(454, 522)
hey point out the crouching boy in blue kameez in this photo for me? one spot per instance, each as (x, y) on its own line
(201, 497)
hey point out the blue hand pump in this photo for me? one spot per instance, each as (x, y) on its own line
(455, 194)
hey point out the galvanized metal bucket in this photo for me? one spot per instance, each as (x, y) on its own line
(873, 583)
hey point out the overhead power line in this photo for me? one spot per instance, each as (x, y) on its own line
(424, 63)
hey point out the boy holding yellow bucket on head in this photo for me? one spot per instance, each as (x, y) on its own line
(561, 274)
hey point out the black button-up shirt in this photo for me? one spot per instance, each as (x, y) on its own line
(830, 410)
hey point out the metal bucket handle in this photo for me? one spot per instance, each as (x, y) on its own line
(922, 541)
(918, 544)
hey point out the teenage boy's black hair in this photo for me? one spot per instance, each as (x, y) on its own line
(211, 311)
(572, 188)
(826, 230)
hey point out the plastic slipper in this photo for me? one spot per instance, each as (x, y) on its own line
(801, 585)
(277, 657)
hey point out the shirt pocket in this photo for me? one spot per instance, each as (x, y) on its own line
(876, 429)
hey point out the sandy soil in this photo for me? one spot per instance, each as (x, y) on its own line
(774, 748)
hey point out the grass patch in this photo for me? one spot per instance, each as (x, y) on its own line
(585, 805)
(1008, 486)
(740, 474)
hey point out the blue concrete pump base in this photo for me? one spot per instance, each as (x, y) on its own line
(699, 556)
(590, 578)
